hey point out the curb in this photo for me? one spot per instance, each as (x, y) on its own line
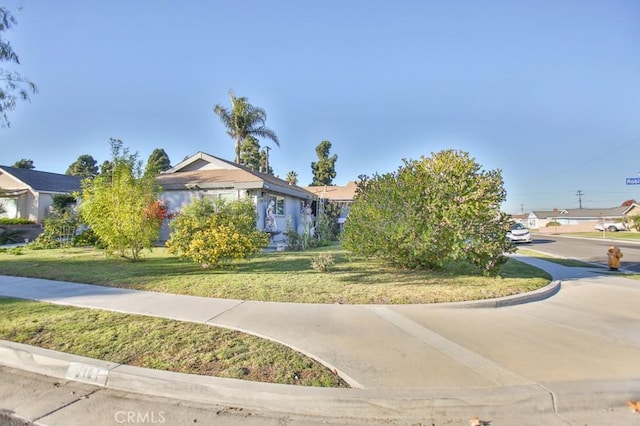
(499, 302)
(382, 404)
(385, 405)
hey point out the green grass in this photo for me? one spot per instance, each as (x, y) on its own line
(158, 343)
(200, 349)
(573, 263)
(280, 276)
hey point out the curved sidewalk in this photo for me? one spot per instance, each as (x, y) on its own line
(570, 353)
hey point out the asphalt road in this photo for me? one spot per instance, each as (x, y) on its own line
(587, 249)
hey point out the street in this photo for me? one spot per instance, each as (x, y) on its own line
(586, 249)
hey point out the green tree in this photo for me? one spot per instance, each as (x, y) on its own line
(122, 209)
(158, 162)
(212, 233)
(85, 166)
(292, 178)
(244, 120)
(250, 153)
(430, 214)
(265, 167)
(324, 170)
(106, 168)
(15, 86)
(24, 163)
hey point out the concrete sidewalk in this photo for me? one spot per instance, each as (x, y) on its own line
(566, 356)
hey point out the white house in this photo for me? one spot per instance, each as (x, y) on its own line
(203, 175)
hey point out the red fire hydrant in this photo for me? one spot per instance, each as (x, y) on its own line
(614, 255)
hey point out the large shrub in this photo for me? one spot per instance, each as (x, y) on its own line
(212, 233)
(431, 213)
(122, 208)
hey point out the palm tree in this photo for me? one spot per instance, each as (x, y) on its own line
(292, 178)
(244, 120)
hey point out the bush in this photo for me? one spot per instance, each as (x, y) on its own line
(15, 221)
(213, 233)
(62, 202)
(322, 262)
(294, 240)
(10, 236)
(431, 213)
(552, 223)
(328, 229)
(59, 231)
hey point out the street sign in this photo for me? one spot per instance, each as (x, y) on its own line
(633, 181)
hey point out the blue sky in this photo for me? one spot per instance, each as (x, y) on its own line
(546, 91)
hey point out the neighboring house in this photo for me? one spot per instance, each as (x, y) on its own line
(581, 219)
(342, 196)
(205, 176)
(28, 193)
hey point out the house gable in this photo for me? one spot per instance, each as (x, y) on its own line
(202, 161)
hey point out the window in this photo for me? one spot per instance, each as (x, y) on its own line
(278, 204)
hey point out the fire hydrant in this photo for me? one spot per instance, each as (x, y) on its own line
(614, 255)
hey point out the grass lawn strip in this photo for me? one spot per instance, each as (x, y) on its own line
(158, 343)
(278, 277)
(572, 263)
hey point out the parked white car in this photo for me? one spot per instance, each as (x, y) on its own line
(612, 226)
(519, 233)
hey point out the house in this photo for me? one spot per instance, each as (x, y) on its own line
(28, 193)
(581, 220)
(342, 196)
(200, 176)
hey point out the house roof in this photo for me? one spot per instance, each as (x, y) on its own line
(44, 181)
(335, 193)
(594, 213)
(204, 171)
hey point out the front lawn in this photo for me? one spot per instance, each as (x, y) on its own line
(280, 276)
(159, 343)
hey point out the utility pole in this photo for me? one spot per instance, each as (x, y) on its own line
(580, 194)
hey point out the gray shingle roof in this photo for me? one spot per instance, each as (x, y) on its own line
(44, 181)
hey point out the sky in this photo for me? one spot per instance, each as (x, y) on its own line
(546, 91)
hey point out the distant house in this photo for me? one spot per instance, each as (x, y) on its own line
(28, 193)
(581, 219)
(342, 196)
(206, 176)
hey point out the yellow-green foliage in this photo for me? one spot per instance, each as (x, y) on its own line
(212, 233)
(117, 206)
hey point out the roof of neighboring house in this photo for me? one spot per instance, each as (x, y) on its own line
(335, 193)
(44, 181)
(611, 212)
(204, 171)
